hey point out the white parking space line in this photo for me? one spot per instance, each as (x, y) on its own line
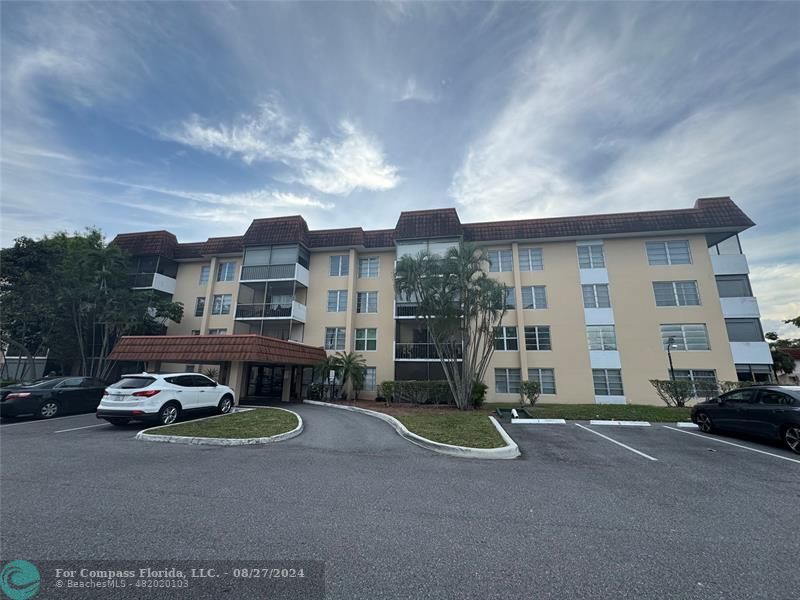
(713, 439)
(40, 421)
(76, 428)
(613, 441)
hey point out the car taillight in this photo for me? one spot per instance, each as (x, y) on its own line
(18, 395)
(146, 393)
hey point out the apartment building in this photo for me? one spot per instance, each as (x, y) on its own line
(594, 303)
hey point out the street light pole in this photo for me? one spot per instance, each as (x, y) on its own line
(669, 355)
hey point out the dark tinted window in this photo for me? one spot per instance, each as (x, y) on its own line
(181, 380)
(45, 383)
(90, 382)
(132, 383)
(202, 381)
(744, 330)
(71, 382)
(775, 398)
(740, 396)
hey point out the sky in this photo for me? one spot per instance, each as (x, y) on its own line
(199, 117)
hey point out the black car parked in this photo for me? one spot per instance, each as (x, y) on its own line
(771, 411)
(51, 396)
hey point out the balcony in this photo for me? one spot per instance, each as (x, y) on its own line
(152, 281)
(291, 272)
(405, 310)
(742, 306)
(412, 351)
(729, 264)
(278, 310)
(751, 353)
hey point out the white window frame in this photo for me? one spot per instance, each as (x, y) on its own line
(218, 331)
(341, 301)
(595, 296)
(607, 338)
(527, 263)
(221, 304)
(363, 302)
(342, 262)
(537, 334)
(535, 304)
(499, 265)
(502, 333)
(681, 337)
(591, 256)
(226, 271)
(667, 254)
(537, 371)
(370, 262)
(693, 379)
(370, 379)
(338, 338)
(363, 335)
(607, 391)
(205, 274)
(675, 296)
(504, 375)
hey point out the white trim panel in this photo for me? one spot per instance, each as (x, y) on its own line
(753, 353)
(162, 283)
(729, 264)
(604, 359)
(594, 276)
(745, 306)
(598, 316)
(609, 400)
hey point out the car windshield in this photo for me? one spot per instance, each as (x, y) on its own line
(132, 383)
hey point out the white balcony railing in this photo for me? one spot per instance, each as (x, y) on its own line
(278, 310)
(742, 306)
(294, 271)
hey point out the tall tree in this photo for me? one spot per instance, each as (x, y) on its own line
(461, 307)
(68, 295)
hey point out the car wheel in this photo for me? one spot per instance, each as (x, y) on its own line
(225, 405)
(118, 421)
(169, 413)
(791, 437)
(48, 409)
(704, 423)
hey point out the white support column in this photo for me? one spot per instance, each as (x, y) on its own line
(212, 277)
(523, 352)
(351, 301)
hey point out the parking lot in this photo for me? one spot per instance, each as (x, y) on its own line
(588, 511)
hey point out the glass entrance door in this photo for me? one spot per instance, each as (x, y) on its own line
(265, 381)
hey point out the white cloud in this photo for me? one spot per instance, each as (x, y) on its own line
(339, 165)
(413, 91)
(777, 288)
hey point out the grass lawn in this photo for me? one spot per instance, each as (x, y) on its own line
(471, 429)
(259, 422)
(586, 412)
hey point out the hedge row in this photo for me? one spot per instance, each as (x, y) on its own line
(417, 392)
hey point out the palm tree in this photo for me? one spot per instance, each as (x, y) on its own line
(461, 306)
(351, 368)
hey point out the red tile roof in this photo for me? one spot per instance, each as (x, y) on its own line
(707, 215)
(216, 348)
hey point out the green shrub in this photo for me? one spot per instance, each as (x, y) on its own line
(478, 394)
(315, 391)
(530, 390)
(673, 392)
(418, 392)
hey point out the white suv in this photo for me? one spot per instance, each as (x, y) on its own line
(162, 397)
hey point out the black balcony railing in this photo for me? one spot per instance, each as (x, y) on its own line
(264, 272)
(405, 309)
(410, 351)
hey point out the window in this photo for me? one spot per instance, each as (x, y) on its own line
(505, 338)
(334, 338)
(774, 398)
(370, 379)
(741, 397)
(511, 298)
(340, 266)
(204, 272)
(222, 304)
(506, 381)
(601, 337)
(734, 286)
(530, 259)
(367, 302)
(673, 252)
(500, 260)
(676, 293)
(368, 267)
(226, 271)
(590, 256)
(702, 381)
(759, 373)
(744, 330)
(596, 296)
(218, 331)
(546, 379)
(366, 340)
(534, 296)
(337, 300)
(189, 369)
(685, 336)
(537, 337)
(195, 332)
(199, 306)
(607, 382)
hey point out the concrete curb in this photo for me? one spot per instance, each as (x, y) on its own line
(538, 422)
(206, 441)
(510, 450)
(685, 425)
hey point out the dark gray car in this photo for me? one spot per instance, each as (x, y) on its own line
(771, 411)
